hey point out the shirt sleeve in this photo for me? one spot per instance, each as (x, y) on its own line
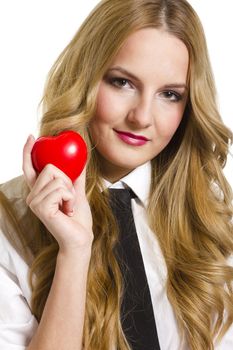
(17, 323)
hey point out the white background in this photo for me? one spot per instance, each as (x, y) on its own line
(33, 33)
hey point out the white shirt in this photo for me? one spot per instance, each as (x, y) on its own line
(17, 324)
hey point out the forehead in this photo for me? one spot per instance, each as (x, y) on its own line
(154, 53)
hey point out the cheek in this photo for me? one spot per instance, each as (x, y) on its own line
(107, 115)
(167, 126)
(108, 107)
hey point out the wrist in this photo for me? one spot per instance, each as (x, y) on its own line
(76, 254)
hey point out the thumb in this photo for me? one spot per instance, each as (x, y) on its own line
(82, 210)
(80, 195)
(80, 185)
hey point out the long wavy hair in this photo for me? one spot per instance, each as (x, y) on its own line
(190, 205)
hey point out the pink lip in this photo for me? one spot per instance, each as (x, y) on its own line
(137, 137)
(131, 139)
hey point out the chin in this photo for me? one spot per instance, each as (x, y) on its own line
(122, 161)
(130, 163)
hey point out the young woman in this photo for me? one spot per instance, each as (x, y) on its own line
(136, 83)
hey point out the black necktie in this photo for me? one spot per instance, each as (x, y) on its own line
(137, 314)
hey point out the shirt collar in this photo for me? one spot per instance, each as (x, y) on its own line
(138, 180)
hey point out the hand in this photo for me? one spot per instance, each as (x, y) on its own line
(61, 205)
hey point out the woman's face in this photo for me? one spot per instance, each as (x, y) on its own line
(141, 101)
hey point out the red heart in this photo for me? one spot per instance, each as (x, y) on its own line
(67, 151)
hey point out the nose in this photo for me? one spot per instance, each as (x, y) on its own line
(140, 114)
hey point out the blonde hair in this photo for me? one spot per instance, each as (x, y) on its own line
(191, 222)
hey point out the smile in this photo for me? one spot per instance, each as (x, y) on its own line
(131, 139)
(129, 134)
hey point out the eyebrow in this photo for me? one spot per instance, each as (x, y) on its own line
(131, 75)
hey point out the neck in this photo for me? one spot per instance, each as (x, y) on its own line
(112, 172)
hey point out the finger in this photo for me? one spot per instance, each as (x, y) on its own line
(67, 207)
(28, 170)
(49, 174)
(53, 185)
(44, 191)
(48, 206)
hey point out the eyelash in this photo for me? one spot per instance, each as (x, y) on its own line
(175, 96)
